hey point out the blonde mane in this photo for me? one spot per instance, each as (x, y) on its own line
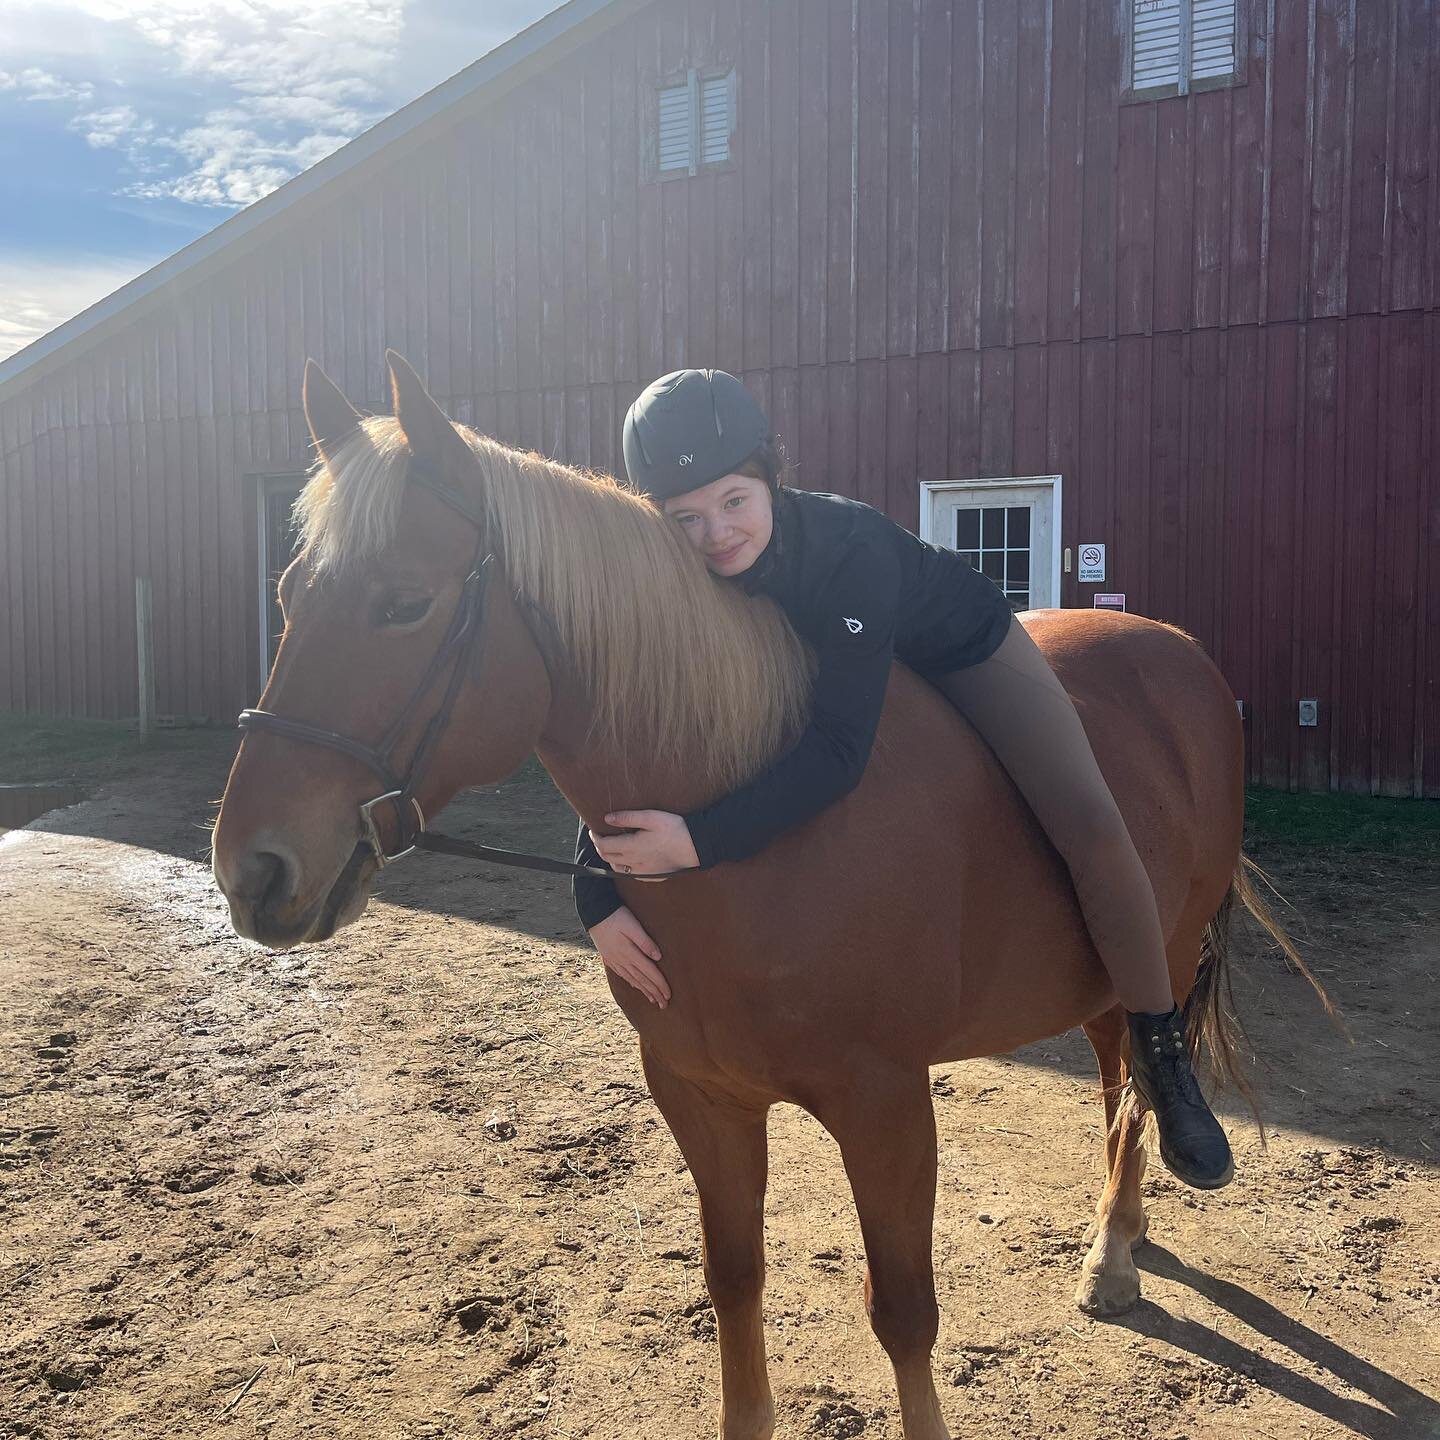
(687, 667)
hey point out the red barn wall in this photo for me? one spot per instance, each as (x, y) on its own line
(948, 247)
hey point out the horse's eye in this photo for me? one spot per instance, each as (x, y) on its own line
(404, 609)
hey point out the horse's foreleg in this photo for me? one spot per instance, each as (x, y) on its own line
(886, 1131)
(1109, 1281)
(724, 1146)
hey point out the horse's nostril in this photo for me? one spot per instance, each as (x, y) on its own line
(267, 880)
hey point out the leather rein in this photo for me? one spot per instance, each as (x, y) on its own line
(456, 655)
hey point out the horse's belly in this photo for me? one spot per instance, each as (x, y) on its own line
(917, 988)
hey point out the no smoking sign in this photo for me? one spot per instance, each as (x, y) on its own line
(1092, 564)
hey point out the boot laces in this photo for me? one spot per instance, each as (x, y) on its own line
(1168, 1059)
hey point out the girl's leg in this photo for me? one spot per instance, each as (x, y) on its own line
(1022, 711)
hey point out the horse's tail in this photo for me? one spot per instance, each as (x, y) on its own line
(1211, 1022)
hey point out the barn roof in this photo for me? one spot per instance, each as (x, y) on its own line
(505, 67)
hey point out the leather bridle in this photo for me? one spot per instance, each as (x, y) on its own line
(456, 655)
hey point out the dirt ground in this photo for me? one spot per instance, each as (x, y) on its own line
(409, 1183)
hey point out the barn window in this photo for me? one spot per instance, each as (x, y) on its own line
(995, 539)
(1176, 43)
(696, 120)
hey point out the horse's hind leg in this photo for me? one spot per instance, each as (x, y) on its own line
(885, 1127)
(1109, 1281)
(725, 1148)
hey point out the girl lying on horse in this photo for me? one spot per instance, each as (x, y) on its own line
(865, 592)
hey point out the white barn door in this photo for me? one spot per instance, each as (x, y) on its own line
(1007, 529)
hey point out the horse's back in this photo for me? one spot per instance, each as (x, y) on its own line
(1165, 730)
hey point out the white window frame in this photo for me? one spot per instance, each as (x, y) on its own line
(693, 81)
(929, 489)
(1186, 83)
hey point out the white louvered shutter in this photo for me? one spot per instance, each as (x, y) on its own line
(1156, 43)
(715, 122)
(1212, 39)
(675, 114)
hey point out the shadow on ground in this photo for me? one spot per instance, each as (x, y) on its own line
(1398, 1411)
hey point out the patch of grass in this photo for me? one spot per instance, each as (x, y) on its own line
(37, 748)
(1349, 823)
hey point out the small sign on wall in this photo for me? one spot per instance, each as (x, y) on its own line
(1110, 602)
(1092, 564)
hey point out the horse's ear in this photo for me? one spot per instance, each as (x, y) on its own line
(429, 434)
(331, 417)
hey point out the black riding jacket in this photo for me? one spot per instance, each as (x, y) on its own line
(862, 591)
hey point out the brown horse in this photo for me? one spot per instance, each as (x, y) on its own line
(923, 919)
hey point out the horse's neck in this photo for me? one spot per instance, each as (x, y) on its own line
(596, 786)
(597, 779)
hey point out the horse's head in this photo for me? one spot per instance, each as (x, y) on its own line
(386, 625)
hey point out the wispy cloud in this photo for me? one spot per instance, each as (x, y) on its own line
(33, 83)
(231, 161)
(38, 295)
(285, 82)
(105, 129)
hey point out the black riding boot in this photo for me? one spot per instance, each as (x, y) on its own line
(1192, 1144)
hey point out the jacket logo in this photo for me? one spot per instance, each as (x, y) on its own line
(853, 626)
(686, 459)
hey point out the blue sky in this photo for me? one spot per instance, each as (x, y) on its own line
(129, 127)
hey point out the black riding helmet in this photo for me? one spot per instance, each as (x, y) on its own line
(688, 428)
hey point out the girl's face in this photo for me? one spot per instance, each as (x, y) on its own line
(729, 521)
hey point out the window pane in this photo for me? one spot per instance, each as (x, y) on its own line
(1017, 526)
(1019, 599)
(1155, 38)
(992, 564)
(1212, 39)
(1017, 570)
(993, 527)
(967, 529)
(716, 122)
(675, 128)
(971, 558)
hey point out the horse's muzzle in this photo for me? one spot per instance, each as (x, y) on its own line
(261, 886)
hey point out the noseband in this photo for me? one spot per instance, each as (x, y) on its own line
(455, 654)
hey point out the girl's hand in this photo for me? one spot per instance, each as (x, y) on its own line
(631, 954)
(655, 841)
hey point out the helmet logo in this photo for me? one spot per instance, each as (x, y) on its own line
(854, 626)
(686, 459)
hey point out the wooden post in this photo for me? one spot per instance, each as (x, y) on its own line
(145, 656)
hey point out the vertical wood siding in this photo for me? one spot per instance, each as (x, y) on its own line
(946, 246)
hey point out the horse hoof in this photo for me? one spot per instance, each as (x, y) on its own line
(1103, 1294)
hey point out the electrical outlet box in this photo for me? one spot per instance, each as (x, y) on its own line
(1309, 712)
(1240, 708)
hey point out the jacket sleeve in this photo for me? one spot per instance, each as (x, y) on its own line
(595, 898)
(826, 763)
